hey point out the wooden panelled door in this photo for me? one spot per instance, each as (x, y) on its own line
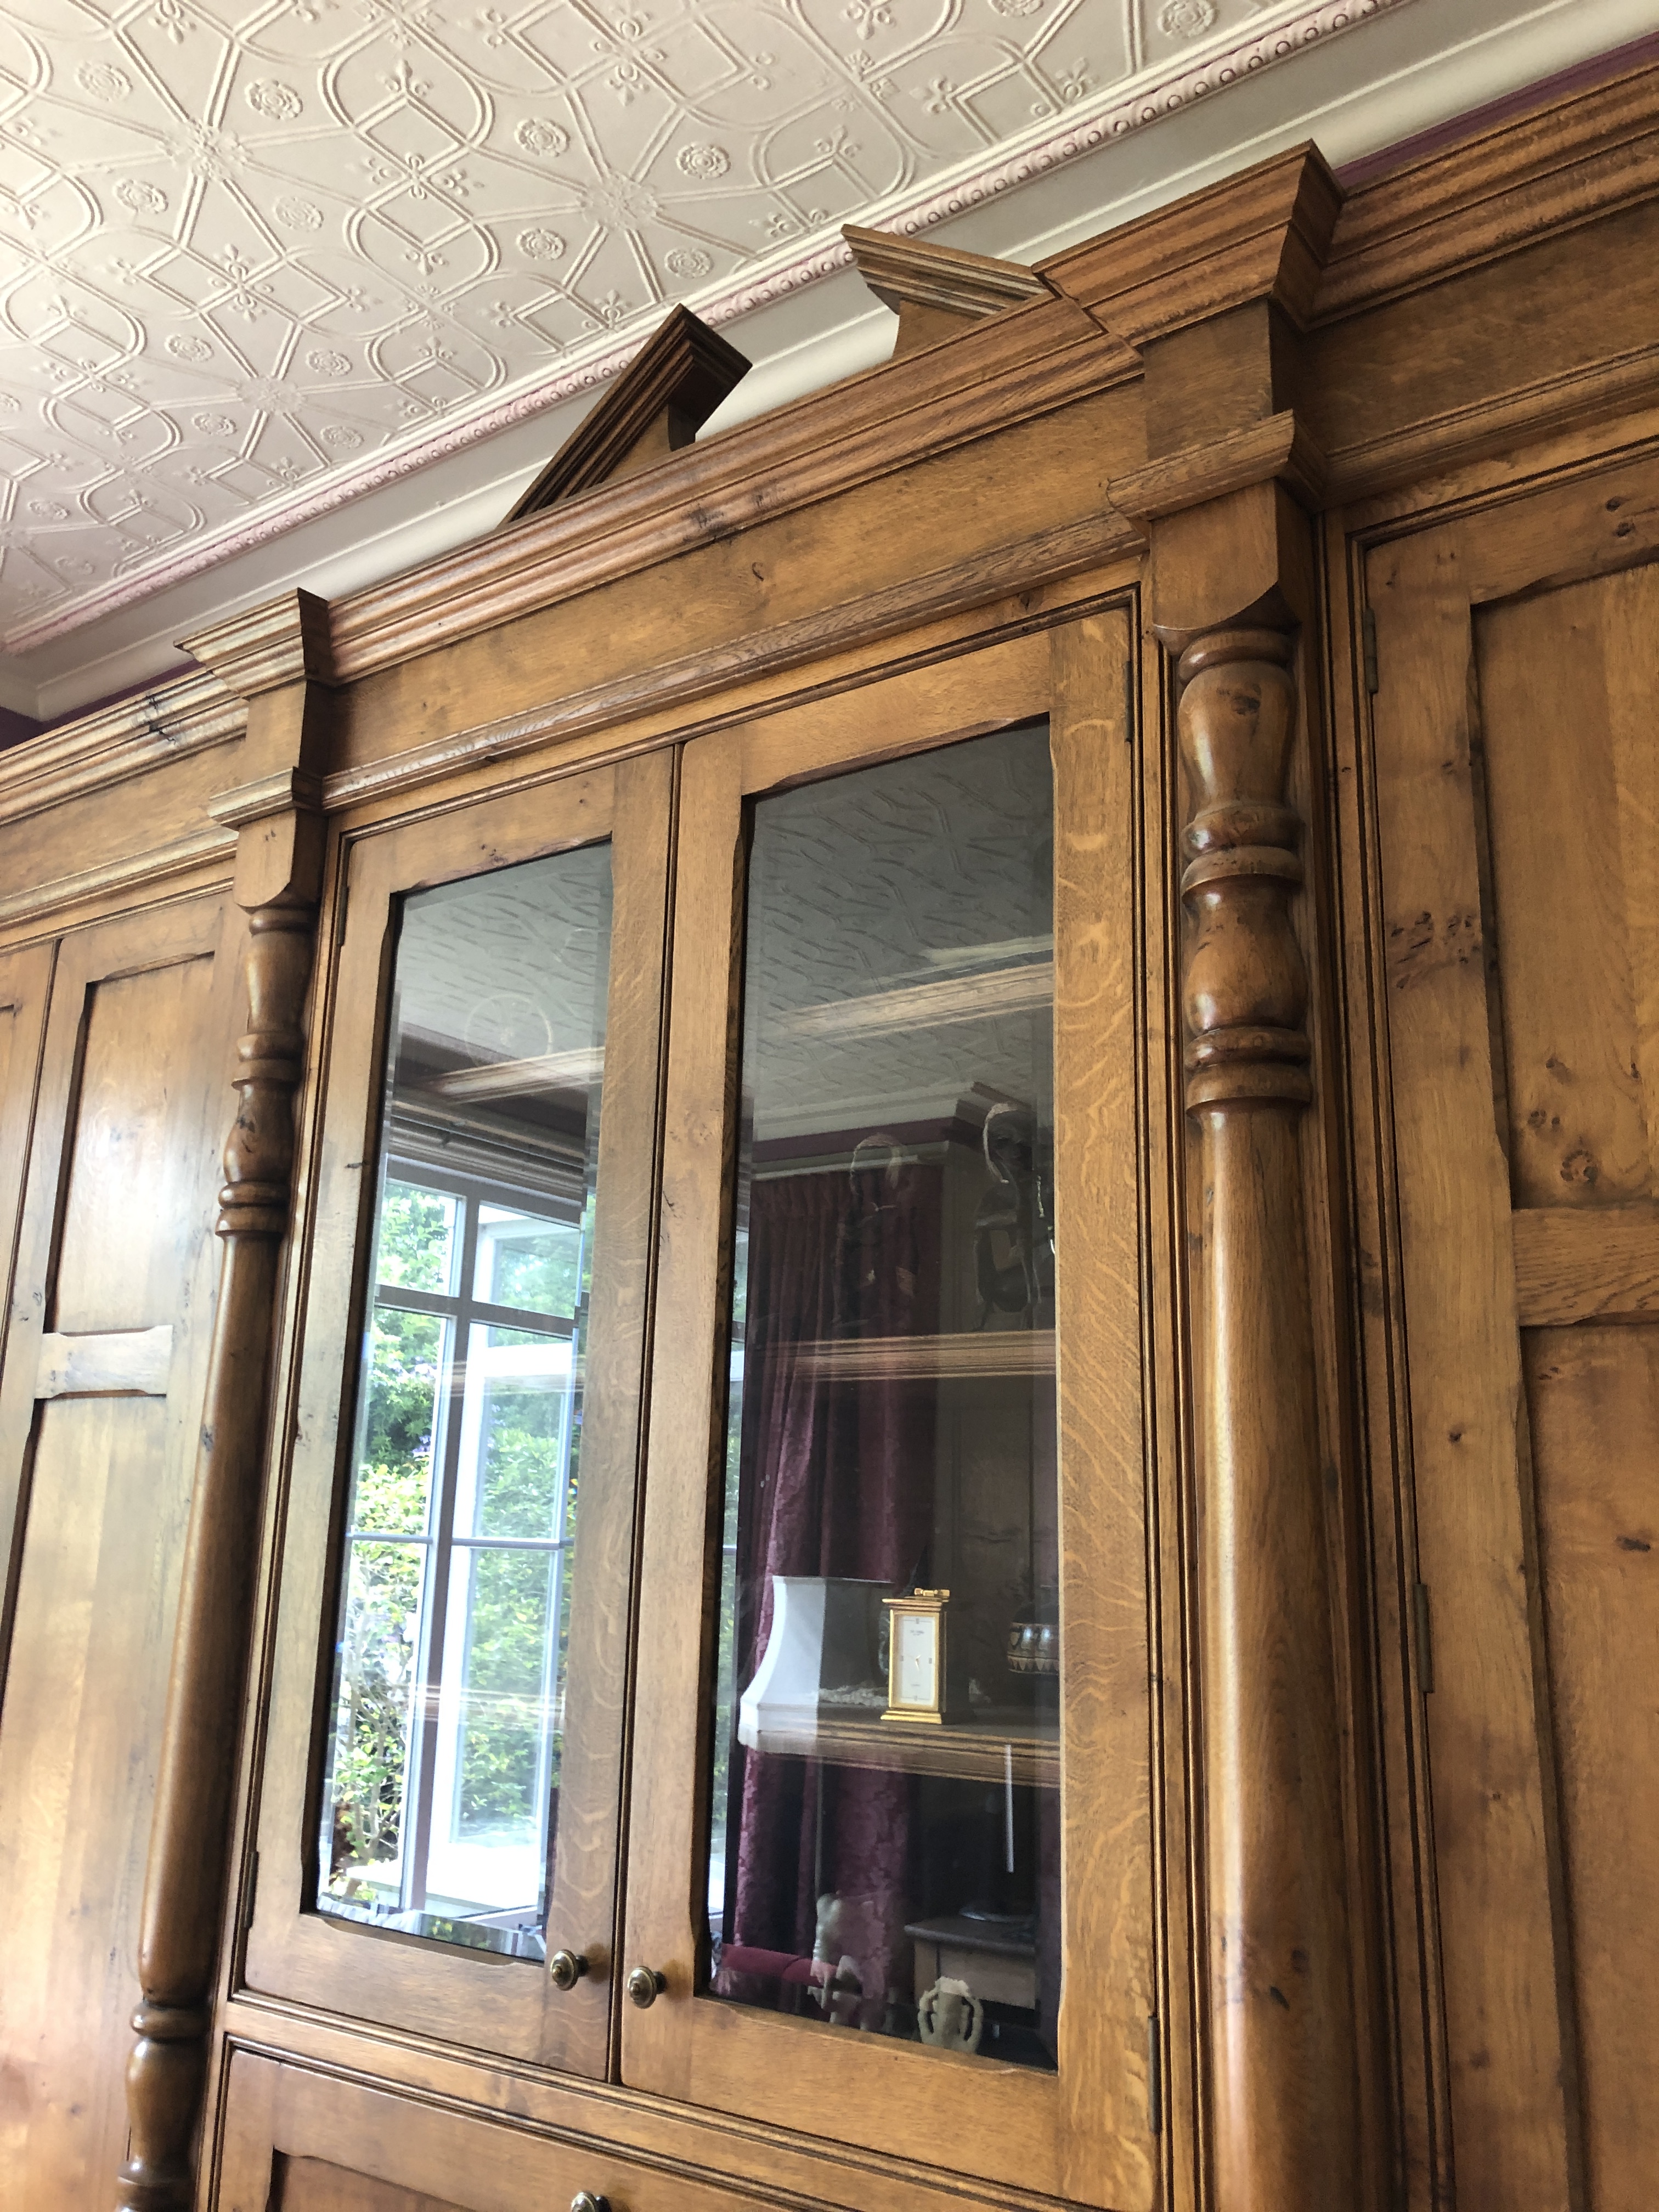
(1517, 792)
(99, 1402)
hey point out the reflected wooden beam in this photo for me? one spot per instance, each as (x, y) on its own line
(931, 1005)
(996, 1353)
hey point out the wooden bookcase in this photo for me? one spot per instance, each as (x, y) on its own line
(1319, 530)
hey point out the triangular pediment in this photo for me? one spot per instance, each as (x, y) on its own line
(657, 404)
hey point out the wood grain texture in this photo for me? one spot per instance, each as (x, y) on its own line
(1017, 366)
(320, 2185)
(121, 1362)
(25, 989)
(1542, 174)
(1599, 1264)
(1110, 1991)
(1066, 550)
(656, 405)
(1414, 2041)
(201, 851)
(185, 1871)
(1580, 998)
(357, 2148)
(1282, 2049)
(1279, 447)
(115, 1235)
(119, 743)
(1261, 235)
(1491, 1782)
(283, 640)
(1493, 426)
(1593, 1395)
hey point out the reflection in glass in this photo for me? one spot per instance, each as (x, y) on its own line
(884, 1848)
(441, 1808)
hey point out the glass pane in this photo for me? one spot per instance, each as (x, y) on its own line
(377, 1673)
(497, 1748)
(441, 1806)
(528, 1262)
(406, 1363)
(884, 1850)
(521, 1396)
(417, 1249)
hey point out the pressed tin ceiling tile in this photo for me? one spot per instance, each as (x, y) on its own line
(259, 256)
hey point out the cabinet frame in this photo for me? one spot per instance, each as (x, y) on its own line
(1085, 2132)
(502, 2005)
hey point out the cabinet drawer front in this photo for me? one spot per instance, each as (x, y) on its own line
(301, 2142)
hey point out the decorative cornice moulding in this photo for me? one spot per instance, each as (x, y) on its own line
(186, 715)
(1204, 52)
(1027, 362)
(1520, 181)
(1279, 447)
(282, 641)
(1263, 233)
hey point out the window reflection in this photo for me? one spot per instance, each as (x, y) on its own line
(441, 1806)
(884, 1849)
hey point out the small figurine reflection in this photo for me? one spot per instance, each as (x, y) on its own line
(852, 1930)
(1014, 1225)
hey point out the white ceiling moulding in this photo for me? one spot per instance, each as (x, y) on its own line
(236, 446)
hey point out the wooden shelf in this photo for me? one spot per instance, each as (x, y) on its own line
(966, 1751)
(963, 1357)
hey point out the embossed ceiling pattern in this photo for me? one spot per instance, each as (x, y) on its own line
(260, 253)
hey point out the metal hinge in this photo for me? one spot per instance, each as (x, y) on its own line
(1368, 639)
(1424, 1646)
(1154, 2077)
(345, 902)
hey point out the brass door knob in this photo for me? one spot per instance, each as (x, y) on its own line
(645, 1986)
(567, 1968)
(585, 2200)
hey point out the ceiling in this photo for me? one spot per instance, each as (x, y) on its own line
(302, 290)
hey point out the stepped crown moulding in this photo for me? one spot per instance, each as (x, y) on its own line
(270, 257)
(934, 289)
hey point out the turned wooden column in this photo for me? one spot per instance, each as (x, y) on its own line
(1280, 2014)
(185, 1887)
(277, 658)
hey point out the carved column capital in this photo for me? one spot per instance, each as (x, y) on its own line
(270, 1060)
(1245, 994)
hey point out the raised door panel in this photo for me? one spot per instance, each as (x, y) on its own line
(317, 2185)
(301, 2142)
(476, 1274)
(118, 1246)
(826, 1876)
(1516, 788)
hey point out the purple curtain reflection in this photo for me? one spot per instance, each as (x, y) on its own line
(837, 1479)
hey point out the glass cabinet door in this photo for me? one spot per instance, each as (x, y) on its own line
(440, 1820)
(888, 1208)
